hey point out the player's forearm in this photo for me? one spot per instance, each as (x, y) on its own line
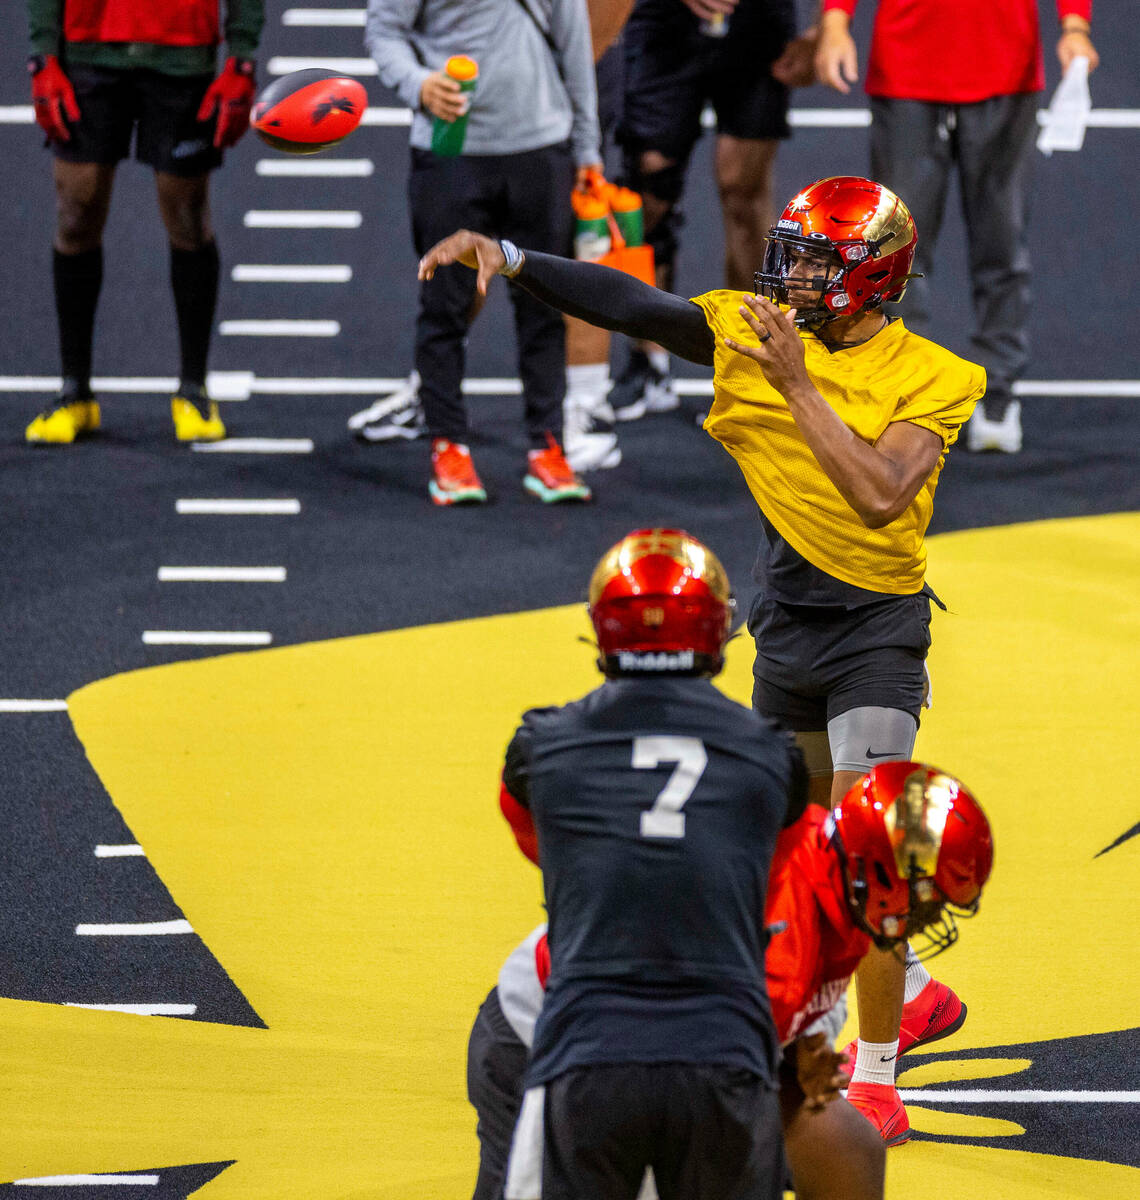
(872, 483)
(616, 301)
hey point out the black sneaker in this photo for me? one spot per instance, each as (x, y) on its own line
(641, 389)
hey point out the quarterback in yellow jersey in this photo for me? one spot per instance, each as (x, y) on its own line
(840, 419)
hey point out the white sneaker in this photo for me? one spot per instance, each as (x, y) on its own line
(588, 438)
(1003, 436)
(398, 415)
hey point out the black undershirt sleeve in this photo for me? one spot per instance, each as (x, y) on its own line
(616, 301)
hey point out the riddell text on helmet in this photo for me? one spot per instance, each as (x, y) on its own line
(631, 660)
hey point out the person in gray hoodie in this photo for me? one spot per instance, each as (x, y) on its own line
(531, 133)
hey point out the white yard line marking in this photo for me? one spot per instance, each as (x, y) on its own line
(88, 1181)
(121, 850)
(323, 16)
(387, 117)
(283, 327)
(221, 574)
(135, 929)
(32, 706)
(287, 273)
(222, 385)
(206, 637)
(238, 508)
(1026, 1096)
(804, 118)
(267, 385)
(142, 1010)
(329, 218)
(283, 64)
(255, 446)
(339, 168)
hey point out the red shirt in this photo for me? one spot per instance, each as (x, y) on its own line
(154, 22)
(956, 51)
(810, 963)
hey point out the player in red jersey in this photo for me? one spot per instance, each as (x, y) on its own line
(838, 883)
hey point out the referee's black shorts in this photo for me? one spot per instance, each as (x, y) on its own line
(708, 1132)
(673, 70)
(814, 662)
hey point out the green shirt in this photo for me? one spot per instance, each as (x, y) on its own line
(242, 30)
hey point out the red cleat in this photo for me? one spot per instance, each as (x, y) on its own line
(882, 1105)
(935, 1013)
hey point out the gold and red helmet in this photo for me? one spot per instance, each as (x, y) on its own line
(916, 851)
(857, 239)
(660, 604)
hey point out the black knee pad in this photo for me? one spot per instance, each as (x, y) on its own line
(665, 186)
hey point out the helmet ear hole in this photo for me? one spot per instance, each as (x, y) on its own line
(882, 876)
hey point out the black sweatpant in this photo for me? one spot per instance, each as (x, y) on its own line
(525, 198)
(496, 1064)
(915, 146)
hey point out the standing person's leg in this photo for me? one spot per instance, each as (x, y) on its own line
(444, 193)
(537, 213)
(995, 165)
(84, 173)
(661, 121)
(912, 153)
(180, 148)
(751, 118)
(744, 178)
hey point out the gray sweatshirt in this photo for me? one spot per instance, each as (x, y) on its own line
(528, 94)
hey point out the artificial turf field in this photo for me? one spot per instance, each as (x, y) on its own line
(316, 819)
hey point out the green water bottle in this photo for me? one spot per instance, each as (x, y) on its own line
(447, 136)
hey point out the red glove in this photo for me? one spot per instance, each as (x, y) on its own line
(231, 97)
(53, 97)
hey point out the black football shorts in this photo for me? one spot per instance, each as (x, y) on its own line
(815, 662)
(673, 70)
(159, 111)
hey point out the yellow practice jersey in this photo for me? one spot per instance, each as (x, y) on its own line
(894, 376)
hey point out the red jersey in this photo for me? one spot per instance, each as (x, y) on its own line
(956, 51)
(154, 22)
(809, 965)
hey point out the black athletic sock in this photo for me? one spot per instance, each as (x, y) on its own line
(77, 279)
(194, 278)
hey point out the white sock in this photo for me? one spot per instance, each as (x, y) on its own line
(659, 360)
(591, 379)
(875, 1062)
(917, 976)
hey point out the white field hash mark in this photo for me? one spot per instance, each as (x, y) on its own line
(135, 929)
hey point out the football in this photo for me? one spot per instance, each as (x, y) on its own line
(309, 110)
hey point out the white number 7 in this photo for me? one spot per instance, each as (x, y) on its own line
(665, 819)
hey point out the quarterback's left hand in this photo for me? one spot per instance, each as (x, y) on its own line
(231, 97)
(780, 351)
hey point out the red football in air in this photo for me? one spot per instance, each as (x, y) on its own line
(309, 110)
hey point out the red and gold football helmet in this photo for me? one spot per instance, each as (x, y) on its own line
(858, 239)
(916, 851)
(660, 604)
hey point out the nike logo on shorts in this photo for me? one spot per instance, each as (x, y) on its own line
(885, 754)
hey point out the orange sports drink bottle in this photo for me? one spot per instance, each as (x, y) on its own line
(592, 237)
(447, 136)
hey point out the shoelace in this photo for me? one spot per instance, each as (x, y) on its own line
(456, 468)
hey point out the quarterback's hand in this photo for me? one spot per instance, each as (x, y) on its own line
(53, 100)
(796, 66)
(836, 59)
(231, 97)
(780, 350)
(817, 1069)
(473, 250)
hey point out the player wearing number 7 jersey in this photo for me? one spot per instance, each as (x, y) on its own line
(655, 802)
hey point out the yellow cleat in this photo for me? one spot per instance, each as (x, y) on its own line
(62, 424)
(192, 425)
